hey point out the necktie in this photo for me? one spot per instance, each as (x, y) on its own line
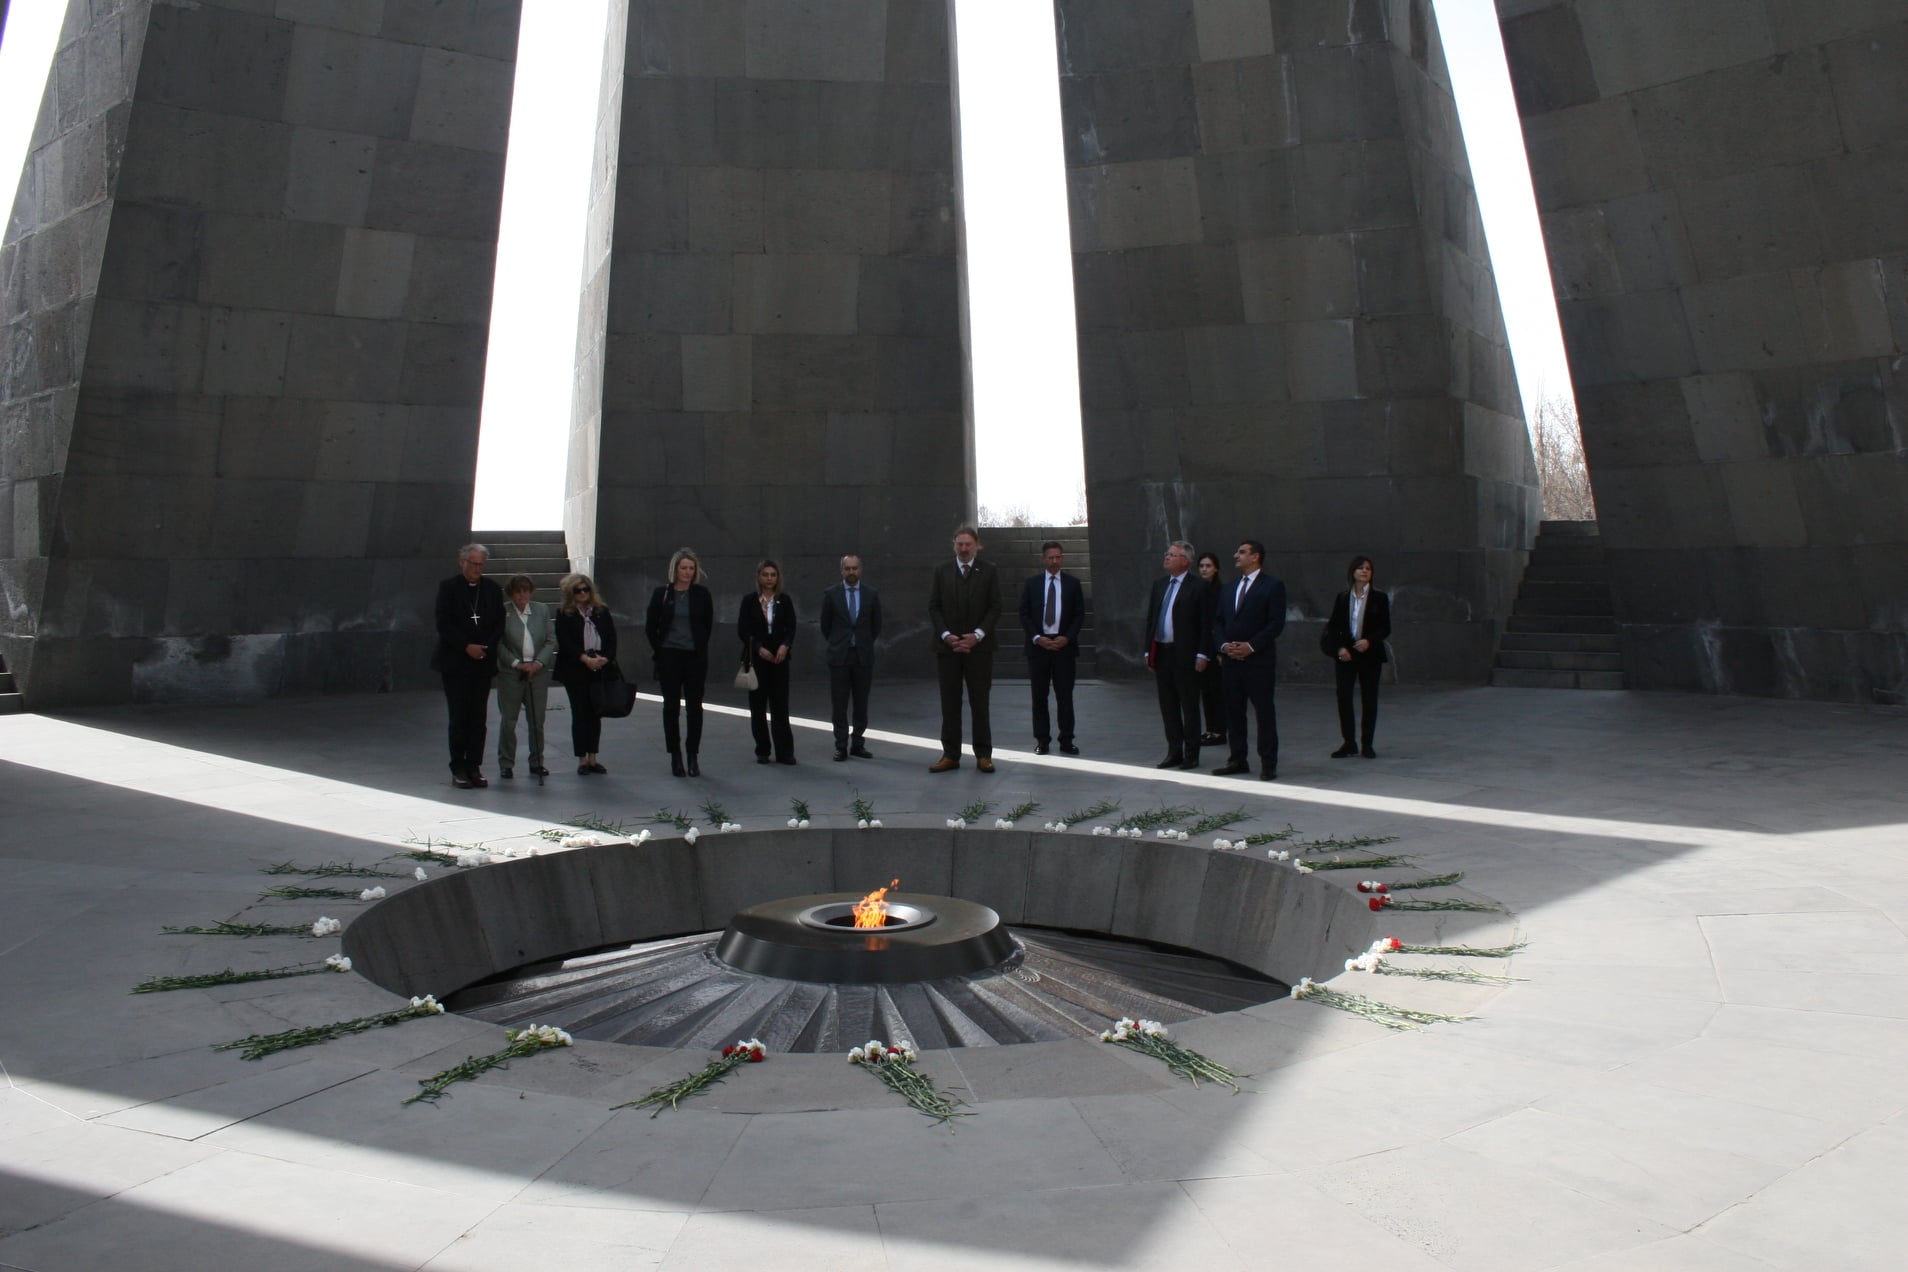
(1238, 598)
(1053, 602)
(854, 604)
(963, 569)
(1165, 633)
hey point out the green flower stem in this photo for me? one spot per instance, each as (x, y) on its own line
(438, 1083)
(223, 928)
(160, 984)
(1435, 881)
(1448, 974)
(1469, 951)
(1184, 1061)
(916, 1088)
(1092, 812)
(674, 1093)
(1376, 1011)
(336, 870)
(1364, 863)
(293, 892)
(258, 1046)
(1444, 903)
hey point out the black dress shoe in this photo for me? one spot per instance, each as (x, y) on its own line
(841, 753)
(537, 770)
(1212, 739)
(1343, 751)
(1192, 762)
(505, 773)
(1231, 770)
(584, 770)
(598, 769)
(461, 782)
(1368, 753)
(675, 765)
(695, 769)
(784, 759)
(1067, 748)
(477, 779)
(1172, 761)
(1268, 774)
(1040, 748)
(763, 759)
(860, 752)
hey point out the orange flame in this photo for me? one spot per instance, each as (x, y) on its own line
(871, 911)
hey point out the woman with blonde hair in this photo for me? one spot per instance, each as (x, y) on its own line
(586, 646)
(681, 617)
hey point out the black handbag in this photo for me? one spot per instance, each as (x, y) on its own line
(611, 696)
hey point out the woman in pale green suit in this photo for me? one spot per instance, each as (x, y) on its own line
(524, 656)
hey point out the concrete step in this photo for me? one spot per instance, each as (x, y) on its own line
(1576, 624)
(1561, 642)
(1559, 660)
(1568, 529)
(1565, 603)
(12, 704)
(1592, 573)
(1524, 678)
(558, 566)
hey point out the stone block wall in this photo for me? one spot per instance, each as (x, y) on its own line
(783, 367)
(245, 351)
(1724, 189)
(1288, 326)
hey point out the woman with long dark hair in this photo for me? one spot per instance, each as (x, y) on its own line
(681, 616)
(586, 645)
(1354, 639)
(1211, 681)
(766, 626)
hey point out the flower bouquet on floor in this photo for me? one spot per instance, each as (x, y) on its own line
(733, 1057)
(1148, 1037)
(894, 1065)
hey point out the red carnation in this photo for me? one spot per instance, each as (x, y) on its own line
(1393, 945)
(1378, 903)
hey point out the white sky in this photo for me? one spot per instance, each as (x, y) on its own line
(1026, 401)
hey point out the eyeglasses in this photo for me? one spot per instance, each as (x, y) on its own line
(581, 589)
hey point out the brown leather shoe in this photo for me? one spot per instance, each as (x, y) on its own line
(945, 764)
(985, 764)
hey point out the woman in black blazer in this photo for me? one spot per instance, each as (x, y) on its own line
(586, 645)
(1355, 640)
(766, 626)
(1211, 691)
(681, 616)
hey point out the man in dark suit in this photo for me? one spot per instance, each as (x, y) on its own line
(470, 623)
(850, 623)
(1052, 607)
(1247, 620)
(1179, 634)
(963, 611)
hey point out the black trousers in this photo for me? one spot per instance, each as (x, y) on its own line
(1366, 671)
(586, 727)
(1251, 684)
(974, 673)
(682, 673)
(467, 694)
(1212, 691)
(768, 710)
(1178, 686)
(1049, 668)
(848, 685)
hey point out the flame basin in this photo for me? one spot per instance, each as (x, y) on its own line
(927, 938)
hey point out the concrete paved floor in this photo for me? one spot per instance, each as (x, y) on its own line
(1701, 1070)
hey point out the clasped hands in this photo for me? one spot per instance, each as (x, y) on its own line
(779, 656)
(962, 644)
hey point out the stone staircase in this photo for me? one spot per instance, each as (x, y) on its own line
(12, 700)
(1015, 552)
(542, 554)
(1562, 631)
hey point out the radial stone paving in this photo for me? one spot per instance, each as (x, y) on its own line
(1697, 1067)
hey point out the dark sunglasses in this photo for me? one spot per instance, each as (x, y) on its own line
(581, 588)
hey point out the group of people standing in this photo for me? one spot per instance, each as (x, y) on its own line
(1211, 645)
(487, 634)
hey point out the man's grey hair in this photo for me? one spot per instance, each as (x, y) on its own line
(1183, 546)
(969, 531)
(464, 553)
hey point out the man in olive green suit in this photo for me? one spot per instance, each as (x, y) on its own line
(963, 611)
(524, 656)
